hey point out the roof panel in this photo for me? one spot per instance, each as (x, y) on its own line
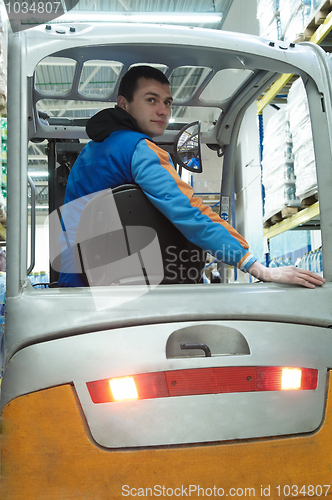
(56, 76)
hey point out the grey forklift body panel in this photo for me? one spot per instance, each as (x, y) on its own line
(57, 336)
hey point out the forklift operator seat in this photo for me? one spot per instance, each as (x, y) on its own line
(122, 238)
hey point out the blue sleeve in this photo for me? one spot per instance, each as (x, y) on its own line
(153, 170)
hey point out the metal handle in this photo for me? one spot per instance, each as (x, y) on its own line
(33, 226)
(204, 347)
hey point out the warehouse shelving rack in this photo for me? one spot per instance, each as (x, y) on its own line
(308, 218)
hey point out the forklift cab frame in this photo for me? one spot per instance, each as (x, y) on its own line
(63, 346)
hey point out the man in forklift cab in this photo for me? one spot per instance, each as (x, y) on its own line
(123, 149)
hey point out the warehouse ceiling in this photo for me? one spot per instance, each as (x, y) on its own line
(160, 6)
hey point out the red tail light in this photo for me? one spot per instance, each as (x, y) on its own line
(148, 386)
(202, 381)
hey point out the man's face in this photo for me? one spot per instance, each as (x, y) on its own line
(151, 106)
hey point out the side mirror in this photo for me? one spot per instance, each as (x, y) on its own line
(188, 147)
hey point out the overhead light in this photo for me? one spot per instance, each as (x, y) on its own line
(39, 208)
(40, 157)
(40, 173)
(140, 17)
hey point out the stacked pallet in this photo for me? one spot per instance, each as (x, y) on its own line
(303, 146)
(288, 149)
(269, 18)
(296, 20)
(294, 16)
(278, 169)
(291, 20)
(320, 11)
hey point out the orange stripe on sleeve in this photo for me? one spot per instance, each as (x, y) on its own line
(239, 264)
(189, 193)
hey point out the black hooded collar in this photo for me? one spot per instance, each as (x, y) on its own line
(102, 124)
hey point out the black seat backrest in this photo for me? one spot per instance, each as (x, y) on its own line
(138, 245)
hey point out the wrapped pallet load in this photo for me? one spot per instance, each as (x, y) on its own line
(278, 165)
(285, 19)
(316, 4)
(303, 148)
(269, 19)
(294, 16)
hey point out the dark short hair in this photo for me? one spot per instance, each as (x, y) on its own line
(129, 82)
